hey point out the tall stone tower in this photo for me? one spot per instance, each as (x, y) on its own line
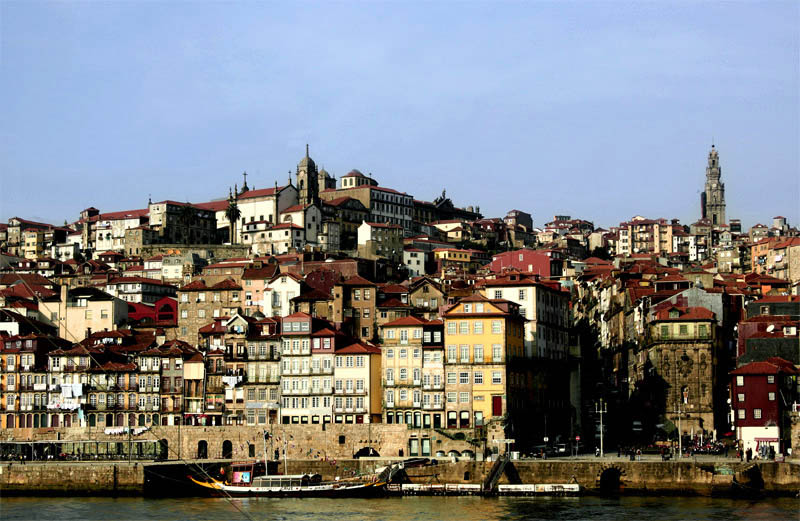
(712, 200)
(307, 180)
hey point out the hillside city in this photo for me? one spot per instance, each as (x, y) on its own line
(319, 301)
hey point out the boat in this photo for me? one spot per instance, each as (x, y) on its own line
(245, 481)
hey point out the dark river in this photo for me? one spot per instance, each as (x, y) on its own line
(399, 509)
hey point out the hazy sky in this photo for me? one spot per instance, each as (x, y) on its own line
(599, 110)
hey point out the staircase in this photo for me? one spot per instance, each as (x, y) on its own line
(495, 473)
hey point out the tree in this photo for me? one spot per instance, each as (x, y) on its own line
(232, 213)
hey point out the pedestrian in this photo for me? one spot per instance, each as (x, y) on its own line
(597, 452)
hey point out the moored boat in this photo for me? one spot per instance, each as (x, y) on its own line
(244, 482)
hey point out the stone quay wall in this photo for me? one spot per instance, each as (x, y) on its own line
(302, 442)
(640, 477)
(91, 479)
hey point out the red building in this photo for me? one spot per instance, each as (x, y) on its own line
(763, 395)
(546, 264)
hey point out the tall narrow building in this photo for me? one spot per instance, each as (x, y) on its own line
(712, 200)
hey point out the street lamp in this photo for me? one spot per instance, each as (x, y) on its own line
(601, 408)
(679, 413)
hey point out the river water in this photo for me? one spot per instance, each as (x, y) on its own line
(398, 509)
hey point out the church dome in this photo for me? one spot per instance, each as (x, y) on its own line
(307, 162)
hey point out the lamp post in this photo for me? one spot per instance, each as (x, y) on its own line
(601, 408)
(679, 413)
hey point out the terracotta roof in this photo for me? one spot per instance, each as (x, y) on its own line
(685, 313)
(393, 303)
(384, 225)
(408, 321)
(124, 214)
(262, 192)
(358, 348)
(357, 280)
(214, 206)
(773, 365)
(226, 284)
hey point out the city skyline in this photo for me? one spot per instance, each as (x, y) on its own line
(110, 103)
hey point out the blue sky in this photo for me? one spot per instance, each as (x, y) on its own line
(600, 110)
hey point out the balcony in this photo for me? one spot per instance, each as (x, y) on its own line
(339, 391)
(390, 405)
(389, 382)
(360, 410)
(417, 382)
(416, 405)
(338, 409)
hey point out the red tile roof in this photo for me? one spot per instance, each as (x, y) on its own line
(407, 321)
(686, 313)
(358, 348)
(357, 280)
(775, 365)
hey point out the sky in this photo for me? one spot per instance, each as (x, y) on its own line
(598, 110)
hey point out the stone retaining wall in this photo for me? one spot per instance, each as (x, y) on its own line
(72, 478)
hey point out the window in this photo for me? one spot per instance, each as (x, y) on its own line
(463, 327)
(497, 353)
(683, 329)
(770, 378)
(467, 308)
(451, 354)
(522, 294)
(741, 414)
(403, 373)
(477, 353)
(390, 353)
(664, 331)
(740, 381)
(463, 378)
(740, 397)
(497, 327)
(477, 327)
(451, 397)
(390, 334)
(404, 353)
(478, 307)
(451, 327)
(478, 377)
(356, 294)
(757, 414)
(463, 397)
(498, 293)
(497, 377)
(771, 397)
(184, 313)
(451, 378)
(417, 352)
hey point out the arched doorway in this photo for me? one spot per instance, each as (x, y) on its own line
(141, 420)
(120, 419)
(163, 446)
(109, 420)
(9, 421)
(610, 481)
(367, 452)
(202, 449)
(29, 420)
(227, 449)
(92, 420)
(67, 420)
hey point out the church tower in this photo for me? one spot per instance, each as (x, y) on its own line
(712, 200)
(307, 177)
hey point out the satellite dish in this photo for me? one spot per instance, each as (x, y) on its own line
(770, 328)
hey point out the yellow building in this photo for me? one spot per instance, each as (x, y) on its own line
(483, 338)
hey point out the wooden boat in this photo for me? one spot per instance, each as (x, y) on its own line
(245, 482)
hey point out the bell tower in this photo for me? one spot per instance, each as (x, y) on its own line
(713, 197)
(307, 180)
